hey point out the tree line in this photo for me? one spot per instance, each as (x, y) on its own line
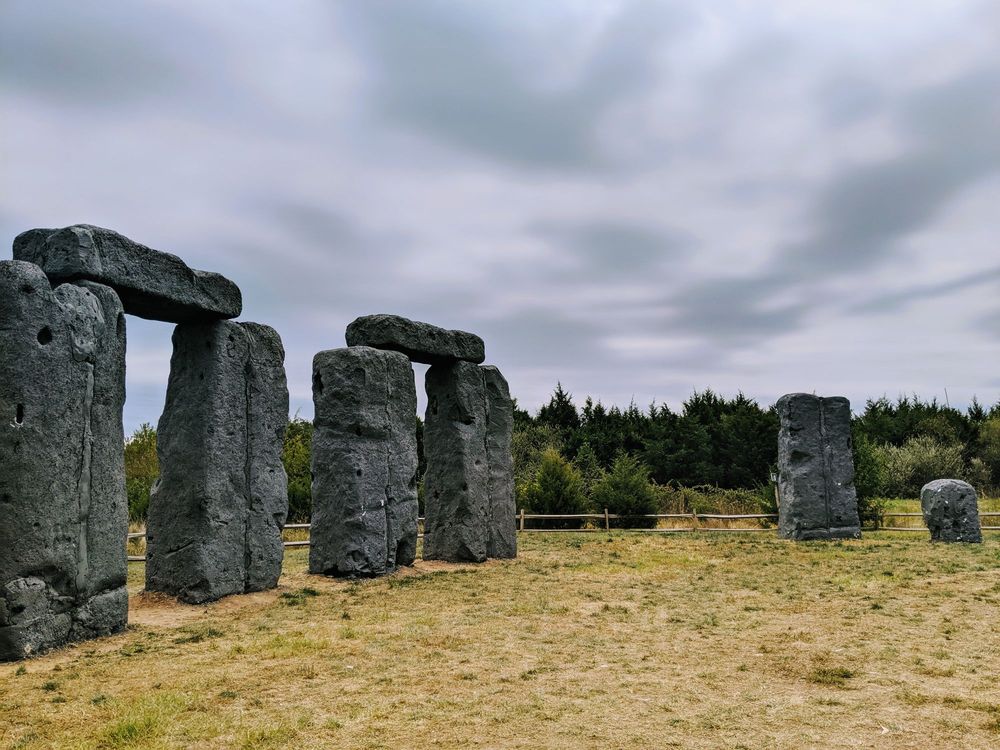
(713, 454)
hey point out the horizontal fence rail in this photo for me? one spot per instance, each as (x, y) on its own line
(522, 518)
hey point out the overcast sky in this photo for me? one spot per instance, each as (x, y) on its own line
(638, 199)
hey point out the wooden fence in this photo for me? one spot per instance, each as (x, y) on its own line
(922, 527)
(603, 523)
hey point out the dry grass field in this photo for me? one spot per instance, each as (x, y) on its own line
(586, 641)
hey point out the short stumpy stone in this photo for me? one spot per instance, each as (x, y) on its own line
(502, 541)
(421, 342)
(216, 511)
(951, 511)
(456, 485)
(63, 513)
(150, 283)
(364, 463)
(817, 499)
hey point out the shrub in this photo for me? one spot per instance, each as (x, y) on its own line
(141, 470)
(919, 460)
(558, 489)
(626, 491)
(527, 447)
(590, 469)
(296, 457)
(709, 499)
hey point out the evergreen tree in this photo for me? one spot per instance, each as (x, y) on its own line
(560, 412)
(296, 457)
(590, 470)
(626, 491)
(557, 489)
(141, 470)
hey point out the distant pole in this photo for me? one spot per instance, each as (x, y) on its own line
(607, 520)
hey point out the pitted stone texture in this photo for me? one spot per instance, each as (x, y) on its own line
(216, 511)
(421, 342)
(267, 420)
(150, 283)
(63, 514)
(502, 540)
(456, 485)
(364, 463)
(951, 511)
(816, 469)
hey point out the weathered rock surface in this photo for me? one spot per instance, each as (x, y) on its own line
(502, 540)
(216, 512)
(63, 514)
(951, 511)
(816, 469)
(364, 463)
(267, 420)
(456, 485)
(421, 342)
(150, 283)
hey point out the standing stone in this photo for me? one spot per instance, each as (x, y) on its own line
(502, 540)
(951, 511)
(456, 485)
(216, 511)
(364, 463)
(421, 342)
(267, 420)
(816, 469)
(63, 513)
(150, 283)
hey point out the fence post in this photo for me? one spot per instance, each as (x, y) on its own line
(522, 519)
(607, 521)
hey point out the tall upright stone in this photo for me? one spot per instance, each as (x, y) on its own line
(456, 485)
(216, 512)
(951, 511)
(817, 499)
(364, 463)
(502, 541)
(63, 511)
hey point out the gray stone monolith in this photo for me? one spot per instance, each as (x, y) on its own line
(151, 284)
(216, 511)
(951, 511)
(502, 542)
(63, 509)
(364, 463)
(817, 499)
(456, 485)
(421, 342)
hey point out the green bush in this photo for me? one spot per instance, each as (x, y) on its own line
(626, 491)
(295, 455)
(917, 461)
(527, 446)
(590, 470)
(709, 499)
(141, 470)
(556, 488)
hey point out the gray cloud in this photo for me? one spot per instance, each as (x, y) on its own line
(109, 53)
(613, 249)
(924, 293)
(860, 216)
(461, 75)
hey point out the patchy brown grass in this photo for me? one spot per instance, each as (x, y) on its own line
(586, 641)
